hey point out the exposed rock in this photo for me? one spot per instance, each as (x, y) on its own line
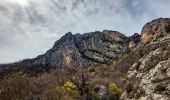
(124, 95)
(83, 50)
(102, 94)
(155, 29)
(134, 40)
(151, 75)
(158, 97)
(148, 37)
(132, 44)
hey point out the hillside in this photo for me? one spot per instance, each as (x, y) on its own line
(96, 66)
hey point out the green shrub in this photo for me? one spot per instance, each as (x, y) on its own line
(92, 90)
(92, 87)
(96, 89)
(112, 87)
(114, 91)
(91, 69)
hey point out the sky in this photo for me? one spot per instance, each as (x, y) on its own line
(30, 27)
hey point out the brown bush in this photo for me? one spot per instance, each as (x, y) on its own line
(127, 60)
(49, 86)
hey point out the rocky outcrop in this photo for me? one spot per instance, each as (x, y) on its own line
(102, 93)
(149, 78)
(155, 29)
(134, 40)
(84, 50)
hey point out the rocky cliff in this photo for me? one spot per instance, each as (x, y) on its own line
(149, 78)
(86, 49)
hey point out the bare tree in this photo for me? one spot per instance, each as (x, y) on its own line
(76, 75)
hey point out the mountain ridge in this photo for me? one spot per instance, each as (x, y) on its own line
(81, 50)
(87, 44)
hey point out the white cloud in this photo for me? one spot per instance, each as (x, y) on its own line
(21, 2)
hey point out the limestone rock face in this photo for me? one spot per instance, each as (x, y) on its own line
(155, 29)
(150, 76)
(84, 50)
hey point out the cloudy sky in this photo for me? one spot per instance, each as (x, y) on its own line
(30, 27)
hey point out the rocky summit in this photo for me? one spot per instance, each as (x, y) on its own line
(85, 49)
